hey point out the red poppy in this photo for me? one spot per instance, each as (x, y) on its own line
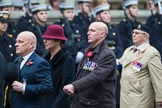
(89, 54)
(29, 63)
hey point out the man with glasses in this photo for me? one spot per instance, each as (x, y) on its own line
(141, 73)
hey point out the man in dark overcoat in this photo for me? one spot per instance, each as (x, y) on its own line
(96, 78)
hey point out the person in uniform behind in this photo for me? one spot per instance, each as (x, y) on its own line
(155, 22)
(84, 17)
(96, 75)
(76, 42)
(125, 27)
(7, 46)
(24, 21)
(2, 64)
(38, 25)
(7, 6)
(141, 73)
(62, 66)
(7, 41)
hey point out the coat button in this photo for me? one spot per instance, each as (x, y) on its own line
(88, 103)
(11, 54)
(10, 46)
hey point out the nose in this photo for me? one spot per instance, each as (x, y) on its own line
(16, 44)
(44, 40)
(88, 32)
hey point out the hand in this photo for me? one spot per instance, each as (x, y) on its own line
(69, 89)
(17, 86)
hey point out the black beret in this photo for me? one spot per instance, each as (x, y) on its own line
(142, 27)
(10, 73)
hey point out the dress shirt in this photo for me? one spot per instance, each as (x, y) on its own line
(25, 58)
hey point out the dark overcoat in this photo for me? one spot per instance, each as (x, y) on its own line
(95, 84)
(63, 73)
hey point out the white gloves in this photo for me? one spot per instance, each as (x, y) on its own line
(79, 56)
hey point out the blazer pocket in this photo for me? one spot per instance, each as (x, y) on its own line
(88, 101)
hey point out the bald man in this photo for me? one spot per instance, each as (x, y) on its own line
(34, 78)
(95, 84)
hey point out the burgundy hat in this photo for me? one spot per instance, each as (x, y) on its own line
(54, 32)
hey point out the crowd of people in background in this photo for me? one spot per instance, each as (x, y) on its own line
(67, 51)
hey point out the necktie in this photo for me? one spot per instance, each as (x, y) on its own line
(134, 50)
(20, 61)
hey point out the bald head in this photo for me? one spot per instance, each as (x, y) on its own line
(97, 32)
(100, 26)
(28, 35)
(25, 43)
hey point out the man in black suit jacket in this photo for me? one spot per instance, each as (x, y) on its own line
(34, 76)
(2, 64)
(95, 84)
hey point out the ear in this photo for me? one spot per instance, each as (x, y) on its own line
(34, 16)
(98, 17)
(31, 43)
(103, 34)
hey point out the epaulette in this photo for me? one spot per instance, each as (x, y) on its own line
(9, 35)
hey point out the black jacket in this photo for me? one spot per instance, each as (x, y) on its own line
(63, 73)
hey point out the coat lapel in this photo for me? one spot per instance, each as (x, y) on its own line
(96, 51)
(134, 56)
(26, 67)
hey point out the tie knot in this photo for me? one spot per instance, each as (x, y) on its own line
(21, 59)
(134, 50)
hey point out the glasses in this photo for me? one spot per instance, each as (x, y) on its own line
(137, 33)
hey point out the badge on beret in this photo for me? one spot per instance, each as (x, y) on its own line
(139, 26)
(5, 16)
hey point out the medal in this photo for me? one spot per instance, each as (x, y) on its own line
(89, 65)
(136, 65)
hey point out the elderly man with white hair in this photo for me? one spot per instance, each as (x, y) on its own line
(141, 74)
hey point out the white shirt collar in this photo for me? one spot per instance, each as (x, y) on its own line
(25, 58)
